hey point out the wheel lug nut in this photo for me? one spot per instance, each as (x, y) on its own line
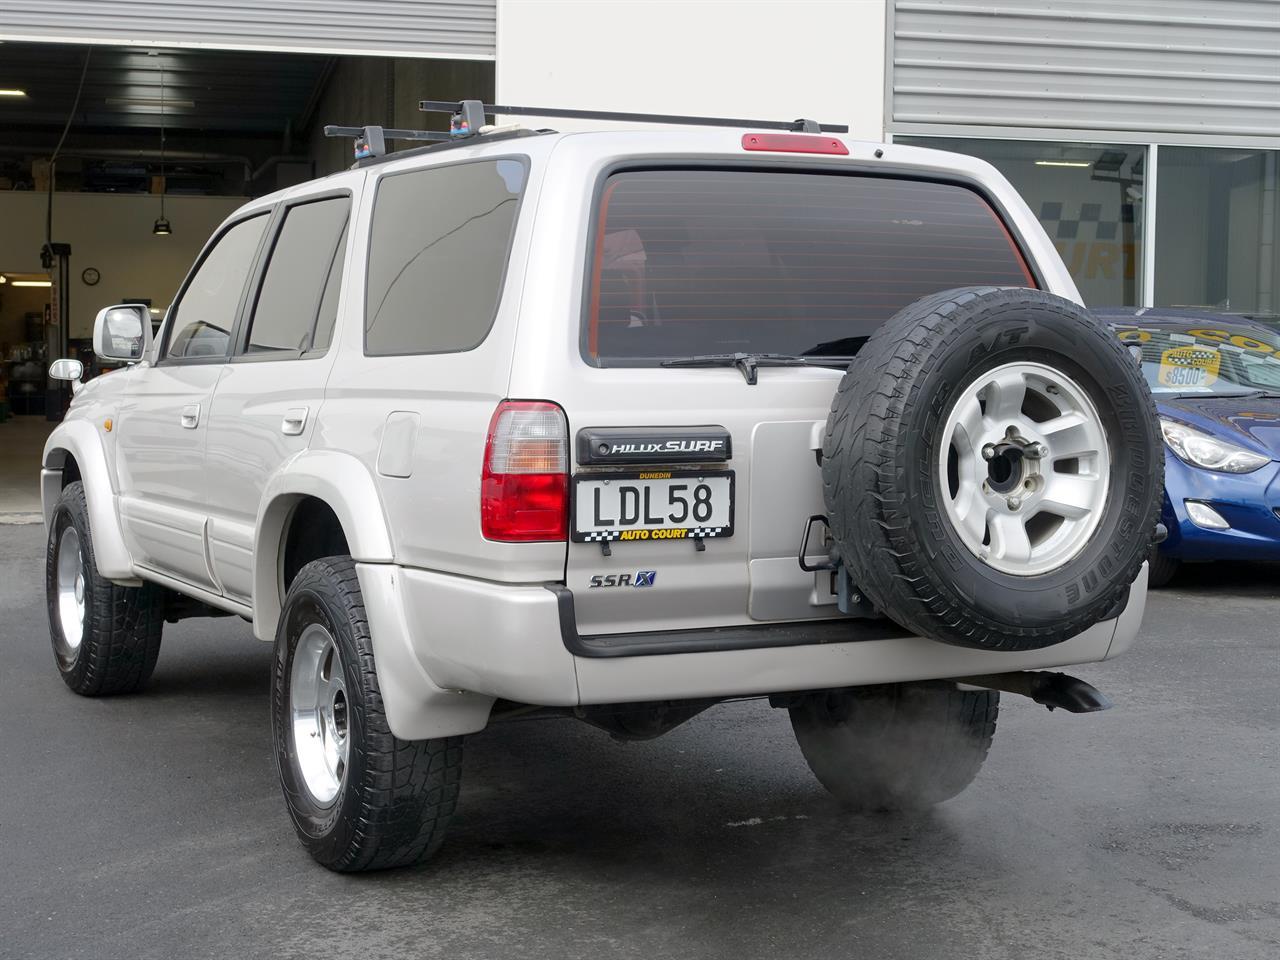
(988, 451)
(1014, 503)
(1036, 451)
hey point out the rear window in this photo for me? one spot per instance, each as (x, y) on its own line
(690, 262)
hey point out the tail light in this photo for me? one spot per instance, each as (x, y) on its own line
(794, 143)
(524, 489)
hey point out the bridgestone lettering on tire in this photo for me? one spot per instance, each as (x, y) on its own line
(928, 427)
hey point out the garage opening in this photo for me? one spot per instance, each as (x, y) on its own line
(117, 163)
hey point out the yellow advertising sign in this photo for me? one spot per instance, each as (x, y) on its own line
(1189, 366)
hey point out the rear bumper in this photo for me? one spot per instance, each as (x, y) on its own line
(447, 646)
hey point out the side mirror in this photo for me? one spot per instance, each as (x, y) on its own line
(71, 370)
(122, 332)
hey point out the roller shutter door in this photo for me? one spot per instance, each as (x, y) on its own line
(1190, 68)
(462, 29)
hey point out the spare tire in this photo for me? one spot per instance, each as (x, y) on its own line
(993, 469)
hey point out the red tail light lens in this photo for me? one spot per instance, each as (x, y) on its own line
(524, 489)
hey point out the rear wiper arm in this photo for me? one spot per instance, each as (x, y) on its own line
(749, 363)
(1244, 395)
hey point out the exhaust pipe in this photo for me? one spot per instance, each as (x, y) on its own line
(1053, 690)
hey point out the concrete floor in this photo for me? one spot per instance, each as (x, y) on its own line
(21, 444)
(152, 826)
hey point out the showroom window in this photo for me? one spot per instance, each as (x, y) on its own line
(1217, 232)
(1089, 199)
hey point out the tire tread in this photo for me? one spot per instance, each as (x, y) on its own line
(121, 645)
(409, 788)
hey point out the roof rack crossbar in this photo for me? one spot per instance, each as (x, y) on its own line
(371, 141)
(469, 108)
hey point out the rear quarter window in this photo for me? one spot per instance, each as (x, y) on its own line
(688, 262)
(437, 255)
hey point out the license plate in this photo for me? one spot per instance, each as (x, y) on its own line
(653, 505)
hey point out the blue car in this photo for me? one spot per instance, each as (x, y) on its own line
(1216, 381)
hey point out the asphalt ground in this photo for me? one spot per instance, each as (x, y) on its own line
(152, 825)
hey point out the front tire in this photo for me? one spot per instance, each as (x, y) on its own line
(897, 747)
(106, 638)
(1161, 569)
(359, 796)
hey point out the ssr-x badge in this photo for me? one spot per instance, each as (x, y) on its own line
(641, 578)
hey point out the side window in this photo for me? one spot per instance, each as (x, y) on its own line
(437, 256)
(203, 318)
(298, 299)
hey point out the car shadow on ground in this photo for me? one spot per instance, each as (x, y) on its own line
(1241, 578)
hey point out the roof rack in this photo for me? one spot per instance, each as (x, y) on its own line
(467, 119)
(468, 115)
(371, 141)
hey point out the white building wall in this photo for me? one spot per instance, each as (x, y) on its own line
(759, 59)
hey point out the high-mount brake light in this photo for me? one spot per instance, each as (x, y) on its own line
(524, 488)
(794, 143)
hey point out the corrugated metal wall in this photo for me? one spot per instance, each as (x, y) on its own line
(424, 28)
(1187, 67)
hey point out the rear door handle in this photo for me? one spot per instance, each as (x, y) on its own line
(294, 422)
(191, 416)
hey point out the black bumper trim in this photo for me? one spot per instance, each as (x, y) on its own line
(714, 639)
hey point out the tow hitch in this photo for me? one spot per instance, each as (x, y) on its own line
(1050, 689)
(850, 600)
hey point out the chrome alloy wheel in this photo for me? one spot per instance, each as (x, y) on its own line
(1025, 468)
(319, 714)
(71, 589)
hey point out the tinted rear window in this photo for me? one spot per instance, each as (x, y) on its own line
(438, 255)
(689, 262)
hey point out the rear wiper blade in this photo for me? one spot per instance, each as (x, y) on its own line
(1244, 395)
(749, 363)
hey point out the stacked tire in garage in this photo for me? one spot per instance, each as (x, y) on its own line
(992, 470)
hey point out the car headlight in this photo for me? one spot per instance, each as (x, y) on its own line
(1202, 450)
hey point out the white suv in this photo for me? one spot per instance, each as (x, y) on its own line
(613, 425)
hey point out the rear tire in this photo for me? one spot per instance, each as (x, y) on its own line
(1161, 569)
(359, 796)
(897, 747)
(106, 638)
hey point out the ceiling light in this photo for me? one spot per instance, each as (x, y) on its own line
(12, 92)
(161, 227)
(149, 102)
(3, 278)
(1063, 163)
(32, 283)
